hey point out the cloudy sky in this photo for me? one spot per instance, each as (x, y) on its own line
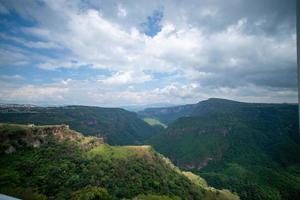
(116, 53)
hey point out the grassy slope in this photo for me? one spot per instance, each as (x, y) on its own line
(154, 122)
(253, 149)
(167, 115)
(65, 166)
(117, 126)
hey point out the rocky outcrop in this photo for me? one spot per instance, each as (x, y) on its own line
(196, 165)
(14, 137)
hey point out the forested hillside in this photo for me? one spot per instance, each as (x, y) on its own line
(167, 115)
(253, 149)
(115, 125)
(54, 162)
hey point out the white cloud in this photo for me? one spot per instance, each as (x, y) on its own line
(15, 77)
(13, 56)
(229, 61)
(100, 43)
(40, 32)
(209, 12)
(67, 91)
(122, 12)
(124, 78)
(52, 64)
(33, 94)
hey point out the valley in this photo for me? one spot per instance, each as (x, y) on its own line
(117, 126)
(251, 149)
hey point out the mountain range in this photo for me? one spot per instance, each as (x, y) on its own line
(117, 126)
(252, 149)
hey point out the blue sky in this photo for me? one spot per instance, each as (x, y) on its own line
(152, 26)
(117, 53)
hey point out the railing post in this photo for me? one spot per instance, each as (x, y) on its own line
(298, 53)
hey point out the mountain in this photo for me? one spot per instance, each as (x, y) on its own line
(167, 115)
(251, 148)
(136, 108)
(3, 105)
(117, 126)
(55, 162)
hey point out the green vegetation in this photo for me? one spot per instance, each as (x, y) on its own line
(154, 122)
(167, 115)
(251, 149)
(155, 197)
(119, 152)
(196, 179)
(67, 165)
(117, 126)
(91, 193)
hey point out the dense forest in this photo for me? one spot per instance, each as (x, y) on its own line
(117, 126)
(253, 149)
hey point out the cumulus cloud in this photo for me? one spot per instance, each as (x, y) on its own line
(33, 94)
(122, 12)
(123, 78)
(186, 51)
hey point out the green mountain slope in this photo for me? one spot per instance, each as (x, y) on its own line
(253, 149)
(167, 114)
(117, 126)
(54, 162)
(154, 122)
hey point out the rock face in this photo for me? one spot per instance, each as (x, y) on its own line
(15, 136)
(196, 165)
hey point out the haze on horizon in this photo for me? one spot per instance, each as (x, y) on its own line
(116, 53)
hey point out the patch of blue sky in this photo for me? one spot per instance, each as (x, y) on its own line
(12, 27)
(13, 24)
(152, 26)
(85, 72)
(13, 19)
(87, 5)
(169, 76)
(55, 52)
(35, 75)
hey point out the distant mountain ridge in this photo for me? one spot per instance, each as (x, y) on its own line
(10, 105)
(115, 125)
(170, 114)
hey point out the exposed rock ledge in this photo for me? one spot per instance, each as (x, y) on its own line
(35, 136)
